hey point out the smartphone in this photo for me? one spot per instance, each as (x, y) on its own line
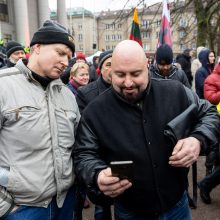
(122, 169)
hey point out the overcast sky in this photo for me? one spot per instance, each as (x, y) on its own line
(99, 5)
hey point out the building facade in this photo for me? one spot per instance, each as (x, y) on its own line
(19, 19)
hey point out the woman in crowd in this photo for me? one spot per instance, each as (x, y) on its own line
(79, 76)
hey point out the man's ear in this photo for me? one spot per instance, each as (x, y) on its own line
(36, 48)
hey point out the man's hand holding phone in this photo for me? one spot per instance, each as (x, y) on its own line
(122, 169)
(110, 185)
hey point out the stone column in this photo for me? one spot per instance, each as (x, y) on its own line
(61, 13)
(21, 22)
(44, 11)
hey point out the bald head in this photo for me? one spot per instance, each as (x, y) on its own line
(129, 50)
(129, 70)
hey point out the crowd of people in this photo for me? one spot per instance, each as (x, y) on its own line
(64, 120)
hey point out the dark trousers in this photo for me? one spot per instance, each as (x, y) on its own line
(212, 180)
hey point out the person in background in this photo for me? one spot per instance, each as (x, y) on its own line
(184, 60)
(212, 94)
(195, 65)
(87, 94)
(92, 71)
(126, 123)
(80, 57)
(38, 120)
(66, 74)
(2, 59)
(79, 76)
(14, 52)
(207, 59)
(164, 69)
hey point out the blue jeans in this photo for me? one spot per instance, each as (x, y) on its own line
(180, 211)
(103, 212)
(52, 212)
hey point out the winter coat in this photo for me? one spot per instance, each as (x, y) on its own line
(72, 88)
(212, 86)
(195, 65)
(202, 73)
(112, 129)
(175, 74)
(185, 62)
(89, 92)
(36, 137)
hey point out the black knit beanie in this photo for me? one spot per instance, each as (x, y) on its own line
(52, 33)
(103, 56)
(164, 54)
(13, 46)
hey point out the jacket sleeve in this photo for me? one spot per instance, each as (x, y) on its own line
(87, 162)
(199, 82)
(207, 127)
(211, 90)
(6, 202)
(81, 100)
(184, 79)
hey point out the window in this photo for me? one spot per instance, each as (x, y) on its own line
(113, 26)
(80, 37)
(193, 46)
(119, 37)
(113, 47)
(146, 47)
(113, 37)
(107, 47)
(145, 23)
(146, 35)
(182, 34)
(119, 26)
(80, 26)
(183, 22)
(107, 37)
(158, 23)
(81, 47)
(182, 47)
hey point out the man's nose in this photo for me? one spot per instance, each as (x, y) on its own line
(65, 61)
(128, 81)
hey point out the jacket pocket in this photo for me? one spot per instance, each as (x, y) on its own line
(19, 113)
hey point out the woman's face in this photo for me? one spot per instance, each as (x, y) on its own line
(82, 76)
(211, 57)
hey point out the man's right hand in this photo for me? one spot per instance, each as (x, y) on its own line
(111, 186)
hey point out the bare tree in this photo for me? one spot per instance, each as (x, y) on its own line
(207, 13)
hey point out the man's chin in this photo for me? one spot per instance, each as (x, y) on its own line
(130, 98)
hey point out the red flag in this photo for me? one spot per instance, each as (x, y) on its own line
(165, 31)
(135, 30)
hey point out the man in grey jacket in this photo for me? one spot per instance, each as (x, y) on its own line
(38, 119)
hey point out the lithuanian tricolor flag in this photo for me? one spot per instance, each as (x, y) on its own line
(135, 30)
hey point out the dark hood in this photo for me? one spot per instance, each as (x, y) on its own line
(203, 57)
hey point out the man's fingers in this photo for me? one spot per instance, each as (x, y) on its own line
(177, 147)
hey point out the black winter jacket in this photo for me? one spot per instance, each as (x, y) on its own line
(185, 62)
(112, 129)
(89, 92)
